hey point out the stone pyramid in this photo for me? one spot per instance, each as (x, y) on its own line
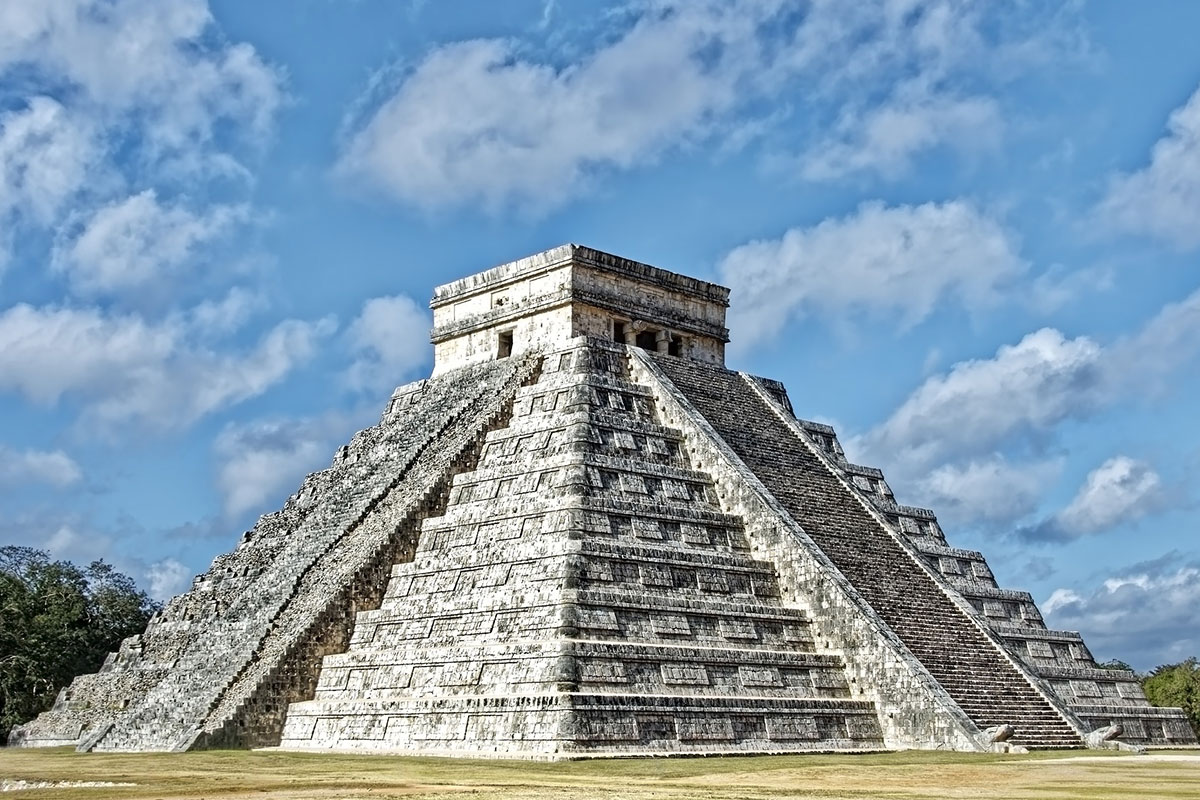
(583, 536)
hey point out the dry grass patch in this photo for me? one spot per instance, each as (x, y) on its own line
(234, 775)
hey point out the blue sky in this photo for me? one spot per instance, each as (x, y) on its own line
(967, 234)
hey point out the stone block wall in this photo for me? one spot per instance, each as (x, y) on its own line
(1060, 659)
(583, 595)
(213, 650)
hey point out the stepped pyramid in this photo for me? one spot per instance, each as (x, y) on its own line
(583, 536)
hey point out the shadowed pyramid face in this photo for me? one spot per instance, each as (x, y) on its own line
(542, 302)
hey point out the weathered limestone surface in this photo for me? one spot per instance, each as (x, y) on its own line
(946, 640)
(1099, 698)
(584, 537)
(583, 595)
(214, 655)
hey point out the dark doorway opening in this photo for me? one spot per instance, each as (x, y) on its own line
(675, 346)
(647, 340)
(505, 345)
(619, 331)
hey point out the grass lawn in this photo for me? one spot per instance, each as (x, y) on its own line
(270, 774)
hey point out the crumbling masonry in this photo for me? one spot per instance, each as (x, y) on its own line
(583, 536)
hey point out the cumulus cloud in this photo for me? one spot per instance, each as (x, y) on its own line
(474, 122)
(262, 459)
(886, 138)
(45, 152)
(166, 578)
(987, 490)
(1162, 199)
(956, 421)
(53, 467)
(1026, 389)
(71, 539)
(1145, 615)
(104, 94)
(898, 261)
(124, 369)
(158, 59)
(484, 123)
(389, 337)
(137, 240)
(1144, 361)
(1119, 491)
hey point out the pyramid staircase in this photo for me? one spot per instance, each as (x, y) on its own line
(977, 673)
(583, 595)
(1100, 698)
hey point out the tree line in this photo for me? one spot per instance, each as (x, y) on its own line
(57, 621)
(1176, 685)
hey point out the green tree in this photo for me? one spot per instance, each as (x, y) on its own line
(1176, 685)
(58, 621)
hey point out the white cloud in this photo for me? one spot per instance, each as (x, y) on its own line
(158, 59)
(886, 138)
(1162, 200)
(476, 123)
(45, 152)
(1026, 388)
(1145, 361)
(1032, 386)
(1145, 615)
(37, 466)
(225, 315)
(118, 93)
(390, 338)
(483, 123)
(125, 370)
(955, 421)
(1058, 286)
(167, 578)
(70, 540)
(45, 157)
(137, 240)
(1119, 490)
(987, 490)
(897, 261)
(265, 458)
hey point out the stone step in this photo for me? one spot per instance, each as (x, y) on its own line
(887, 576)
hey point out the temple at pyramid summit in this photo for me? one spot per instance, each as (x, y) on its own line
(583, 536)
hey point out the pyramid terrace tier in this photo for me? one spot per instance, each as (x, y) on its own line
(640, 564)
(1098, 698)
(1147, 726)
(580, 725)
(612, 518)
(907, 596)
(286, 589)
(554, 664)
(518, 608)
(609, 565)
(576, 429)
